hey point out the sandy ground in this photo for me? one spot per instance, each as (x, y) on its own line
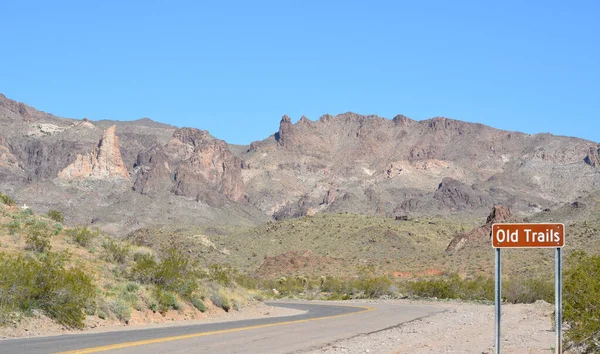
(461, 328)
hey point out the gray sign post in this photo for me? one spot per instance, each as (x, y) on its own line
(528, 236)
(558, 297)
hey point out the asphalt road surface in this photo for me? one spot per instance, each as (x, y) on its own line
(322, 323)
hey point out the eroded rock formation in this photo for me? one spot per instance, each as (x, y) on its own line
(593, 157)
(104, 162)
(499, 214)
(193, 164)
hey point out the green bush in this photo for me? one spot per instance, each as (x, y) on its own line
(4, 199)
(222, 274)
(220, 300)
(28, 283)
(13, 226)
(83, 236)
(581, 302)
(26, 212)
(198, 303)
(38, 237)
(176, 272)
(143, 268)
(528, 290)
(166, 300)
(56, 216)
(116, 252)
(121, 309)
(132, 287)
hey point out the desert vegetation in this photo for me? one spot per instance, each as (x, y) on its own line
(69, 274)
(581, 302)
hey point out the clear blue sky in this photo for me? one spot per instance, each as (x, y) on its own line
(235, 67)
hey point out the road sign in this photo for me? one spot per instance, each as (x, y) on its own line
(528, 235)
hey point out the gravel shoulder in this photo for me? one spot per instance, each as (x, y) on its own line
(460, 328)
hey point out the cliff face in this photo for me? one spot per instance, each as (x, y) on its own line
(192, 164)
(105, 161)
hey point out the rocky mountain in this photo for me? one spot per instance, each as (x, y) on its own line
(368, 164)
(125, 175)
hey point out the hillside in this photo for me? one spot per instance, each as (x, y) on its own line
(54, 278)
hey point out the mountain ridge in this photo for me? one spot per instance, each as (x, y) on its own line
(362, 164)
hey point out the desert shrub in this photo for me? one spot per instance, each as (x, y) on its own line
(453, 287)
(56, 216)
(372, 287)
(132, 287)
(25, 212)
(83, 236)
(528, 290)
(176, 272)
(38, 237)
(581, 302)
(219, 299)
(28, 283)
(116, 252)
(223, 274)
(198, 303)
(166, 300)
(121, 309)
(143, 268)
(13, 226)
(4, 199)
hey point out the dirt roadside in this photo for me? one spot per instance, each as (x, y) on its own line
(461, 328)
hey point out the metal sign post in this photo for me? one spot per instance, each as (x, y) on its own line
(498, 298)
(529, 236)
(558, 298)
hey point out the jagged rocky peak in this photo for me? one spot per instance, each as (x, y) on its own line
(402, 120)
(285, 136)
(304, 120)
(25, 111)
(104, 162)
(593, 156)
(192, 136)
(499, 214)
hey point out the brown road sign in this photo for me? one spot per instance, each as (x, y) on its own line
(528, 235)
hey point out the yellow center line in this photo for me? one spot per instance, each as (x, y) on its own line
(203, 334)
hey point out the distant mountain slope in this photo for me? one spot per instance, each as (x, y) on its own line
(368, 164)
(344, 163)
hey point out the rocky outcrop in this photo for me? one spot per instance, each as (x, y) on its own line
(456, 195)
(192, 164)
(285, 136)
(7, 159)
(593, 157)
(104, 162)
(499, 214)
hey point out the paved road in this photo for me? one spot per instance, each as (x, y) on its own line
(323, 323)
